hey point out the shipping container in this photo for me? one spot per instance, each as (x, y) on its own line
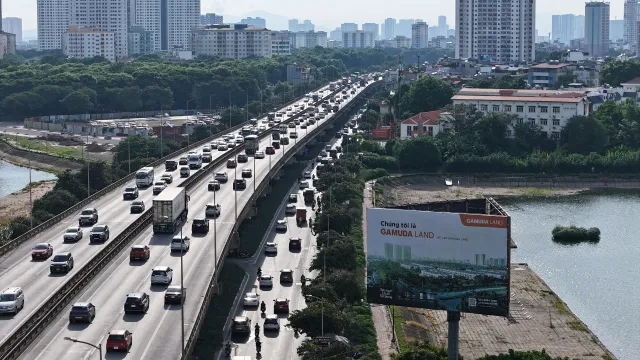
(169, 210)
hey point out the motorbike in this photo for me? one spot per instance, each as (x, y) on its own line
(303, 279)
(258, 346)
(227, 349)
(313, 177)
(310, 222)
(263, 307)
(259, 272)
(257, 333)
(300, 221)
(313, 206)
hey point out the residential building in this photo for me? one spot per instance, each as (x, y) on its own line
(597, 28)
(631, 17)
(7, 43)
(293, 25)
(13, 25)
(310, 39)
(424, 123)
(281, 43)
(235, 41)
(372, 28)
(87, 16)
(579, 26)
(53, 21)
(358, 39)
(419, 35)
(403, 27)
(399, 42)
(257, 22)
(348, 27)
(501, 35)
(85, 43)
(336, 34)
(147, 15)
(616, 31)
(297, 74)
(547, 75)
(632, 85)
(563, 28)
(443, 27)
(550, 109)
(141, 41)
(211, 19)
(389, 28)
(182, 16)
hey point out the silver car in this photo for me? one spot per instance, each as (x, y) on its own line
(72, 234)
(180, 243)
(272, 322)
(11, 300)
(251, 299)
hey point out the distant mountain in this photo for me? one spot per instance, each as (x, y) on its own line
(274, 21)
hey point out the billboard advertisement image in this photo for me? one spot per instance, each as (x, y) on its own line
(440, 261)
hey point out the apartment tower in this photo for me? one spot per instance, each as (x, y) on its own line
(596, 33)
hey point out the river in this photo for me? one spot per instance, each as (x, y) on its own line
(597, 281)
(14, 178)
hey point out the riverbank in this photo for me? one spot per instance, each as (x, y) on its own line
(17, 204)
(36, 160)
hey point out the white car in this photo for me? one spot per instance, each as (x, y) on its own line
(307, 175)
(11, 300)
(251, 299)
(180, 243)
(266, 280)
(290, 210)
(259, 155)
(281, 225)
(221, 177)
(161, 275)
(213, 210)
(262, 128)
(158, 186)
(72, 234)
(271, 248)
(231, 144)
(304, 185)
(272, 322)
(222, 147)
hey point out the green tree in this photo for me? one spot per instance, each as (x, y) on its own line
(529, 137)
(491, 130)
(583, 135)
(423, 350)
(339, 255)
(615, 72)
(523, 355)
(156, 97)
(420, 153)
(426, 94)
(78, 102)
(309, 319)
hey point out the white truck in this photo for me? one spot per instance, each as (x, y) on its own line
(169, 210)
(251, 144)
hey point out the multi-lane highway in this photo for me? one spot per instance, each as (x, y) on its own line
(156, 334)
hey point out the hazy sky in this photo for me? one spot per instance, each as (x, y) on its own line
(330, 13)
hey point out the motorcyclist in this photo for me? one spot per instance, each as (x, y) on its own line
(258, 345)
(303, 279)
(259, 271)
(263, 307)
(227, 349)
(310, 222)
(318, 200)
(257, 331)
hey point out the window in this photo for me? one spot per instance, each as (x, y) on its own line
(520, 120)
(532, 109)
(543, 122)
(507, 108)
(555, 135)
(483, 107)
(430, 131)
(556, 122)
(509, 133)
(556, 109)
(532, 120)
(496, 108)
(519, 108)
(544, 109)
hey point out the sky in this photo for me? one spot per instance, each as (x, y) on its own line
(331, 13)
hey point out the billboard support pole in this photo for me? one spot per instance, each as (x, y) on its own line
(453, 318)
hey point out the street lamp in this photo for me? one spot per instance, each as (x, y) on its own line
(30, 194)
(182, 293)
(321, 314)
(235, 193)
(162, 107)
(99, 346)
(188, 101)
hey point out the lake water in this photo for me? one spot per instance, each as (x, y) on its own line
(599, 282)
(14, 178)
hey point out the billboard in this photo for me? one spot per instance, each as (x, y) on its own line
(440, 261)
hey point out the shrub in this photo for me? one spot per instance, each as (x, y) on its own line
(575, 234)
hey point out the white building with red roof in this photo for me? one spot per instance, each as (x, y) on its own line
(424, 123)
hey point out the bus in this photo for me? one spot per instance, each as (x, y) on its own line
(253, 121)
(195, 160)
(251, 144)
(144, 177)
(246, 131)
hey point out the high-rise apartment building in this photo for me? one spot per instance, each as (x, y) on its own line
(358, 39)
(141, 41)
(372, 28)
(563, 28)
(234, 41)
(502, 33)
(53, 21)
(293, 25)
(348, 27)
(631, 17)
(616, 30)
(336, 34)
(182, 16)
(389, 28)
(104, 16)
(597, 15)
(420, 35)
(211, 19)
(257, 22)
(13, 25)
(147, 15)
(85, 43)
(310, 39)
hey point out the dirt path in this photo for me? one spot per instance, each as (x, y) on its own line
(17, 203)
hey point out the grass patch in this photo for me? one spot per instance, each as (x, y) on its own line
(211, 337)
(46, 147)
(577, 325)
(534, 191)
(607, 357)
(397, 327)
(560, 306)
(34, 184)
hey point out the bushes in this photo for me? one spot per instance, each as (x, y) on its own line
(575, 234)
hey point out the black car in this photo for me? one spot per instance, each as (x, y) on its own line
(200, 225)
(293, 198)
(82, 311)
(284, 141)
(130, 192)
(247, 173)
(136, 302)
(239, 184)
(338, 135)
(170, 165)
(286, 276)
(295, 244)
(276, 144)
(99, 233)
(243, 158)
(62, 262)
(175, 295)
(214, 185)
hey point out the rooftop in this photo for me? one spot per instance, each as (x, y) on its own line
(424, 118)
(549, 66)
(634, 81)
(518, 98)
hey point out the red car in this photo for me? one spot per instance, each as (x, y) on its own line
(139, 252)
(119, 340)
(270, 150)
(42, 251)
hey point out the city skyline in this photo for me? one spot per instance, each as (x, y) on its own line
(324, 17)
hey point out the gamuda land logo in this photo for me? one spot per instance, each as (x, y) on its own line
(484, 220)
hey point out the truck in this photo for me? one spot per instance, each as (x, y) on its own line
(275, 134)
(309, 196)
(301, 215)
(251, 144)
(169, 210)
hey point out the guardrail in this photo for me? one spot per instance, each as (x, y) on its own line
(11, 244)
(193, 335)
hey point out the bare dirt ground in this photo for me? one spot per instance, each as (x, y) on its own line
(17, 203)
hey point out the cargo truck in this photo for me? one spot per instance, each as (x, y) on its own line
(169, 210)
(251, 144)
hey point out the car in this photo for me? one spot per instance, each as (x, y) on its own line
(137, 206)
(183, 161)
(271, 248)
(259, 154)
(61, 262)
(72, 234)
(180, 243)
(291, 125)
(42, 251)
(214, 185)
(280, 305)
(158, 186)
(99, 233)
(167, 178)
(206, 149)
(295, 243)
(281, 225)
(130, 192)
(265, 280)
(161, 275)
(88, 216)
(222, 177)
(286, 276)
(223, 147)
(307, 174)
(119, 340)
(11, 300)
(170, 165)
(276, 145)
(231, 163)
(293, 135)
(231, 144)
(185, 172)
(293, 198)
(241, 325)
(139, 252)
(239, 184)
(243, 158)
(322, 154)
(200, 225)
(284, 141)
(290, 209)
(239, 140)
(270, 150)
(251, 299)
(136, 302)
(212, 210)
(338, 135)
(303, 126)
(82, 311)
(271, 323)
(175, 294)
(247, 173)
(327, 147)
(304, 184)
(296, 122)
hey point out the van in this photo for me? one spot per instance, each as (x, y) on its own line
(161, 275)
